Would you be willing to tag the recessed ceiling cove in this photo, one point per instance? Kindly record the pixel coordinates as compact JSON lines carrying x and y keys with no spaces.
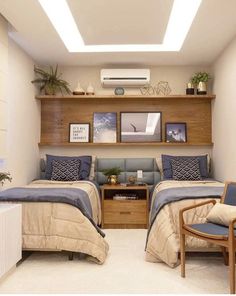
{"x":121,"y":22}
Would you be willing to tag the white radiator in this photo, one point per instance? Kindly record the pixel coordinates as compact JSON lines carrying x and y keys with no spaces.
{"x":10,"y":236}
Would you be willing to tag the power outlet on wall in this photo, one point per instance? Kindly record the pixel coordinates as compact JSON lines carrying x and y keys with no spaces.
{"x":139,"y":174}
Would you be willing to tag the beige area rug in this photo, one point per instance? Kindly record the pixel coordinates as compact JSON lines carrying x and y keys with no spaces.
{"x":125,"y":271}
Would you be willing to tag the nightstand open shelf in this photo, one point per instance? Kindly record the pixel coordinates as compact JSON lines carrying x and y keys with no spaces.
{"x":125,"y":213}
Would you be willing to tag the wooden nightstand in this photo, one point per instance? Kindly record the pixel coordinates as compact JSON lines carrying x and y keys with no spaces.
{"x":125,"y":213}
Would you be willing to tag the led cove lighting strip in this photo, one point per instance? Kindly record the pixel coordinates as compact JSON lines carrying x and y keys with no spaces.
{"x":182,"y":15}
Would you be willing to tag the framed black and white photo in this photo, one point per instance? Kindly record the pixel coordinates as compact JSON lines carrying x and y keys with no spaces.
{"x":105,"y":127}
{"x":136,"y":127}
{"x":176,"y":132}
{"x":79,"y":132}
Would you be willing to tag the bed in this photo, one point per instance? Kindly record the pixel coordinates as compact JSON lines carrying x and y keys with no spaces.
{"x":169,"y":196}
{"x":60,"y":215}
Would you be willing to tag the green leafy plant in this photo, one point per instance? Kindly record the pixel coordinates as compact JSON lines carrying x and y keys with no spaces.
{"x":112,"y":171}
{"x":50,"y":81}
{"x":200,"y":76}
{"x":5,"y":177}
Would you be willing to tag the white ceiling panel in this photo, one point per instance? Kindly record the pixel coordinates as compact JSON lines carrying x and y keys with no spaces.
{"x":121,"y":22}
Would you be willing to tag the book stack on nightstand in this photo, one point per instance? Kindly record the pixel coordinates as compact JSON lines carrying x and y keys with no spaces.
{"x":125,"y":206}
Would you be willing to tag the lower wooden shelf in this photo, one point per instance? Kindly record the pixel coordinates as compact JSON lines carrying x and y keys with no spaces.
{"x":65,"y":144}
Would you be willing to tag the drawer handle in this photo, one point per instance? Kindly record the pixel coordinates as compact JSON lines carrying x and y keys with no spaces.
{"x":125,"y":213}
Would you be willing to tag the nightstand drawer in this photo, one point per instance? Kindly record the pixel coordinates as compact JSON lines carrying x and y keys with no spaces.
{"x":125,"y":212}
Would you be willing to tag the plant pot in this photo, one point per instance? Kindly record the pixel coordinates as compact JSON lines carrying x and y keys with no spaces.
{"x":49,"y":90}
{"x":202,"y":88}
{"x":112,"y":180}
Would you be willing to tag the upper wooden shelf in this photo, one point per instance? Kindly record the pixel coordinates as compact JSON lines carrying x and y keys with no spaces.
{"x":66,"y":144}
{"x":75,"y":97}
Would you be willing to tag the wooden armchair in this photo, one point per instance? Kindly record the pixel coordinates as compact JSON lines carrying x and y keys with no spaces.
{"x":217,"y":234}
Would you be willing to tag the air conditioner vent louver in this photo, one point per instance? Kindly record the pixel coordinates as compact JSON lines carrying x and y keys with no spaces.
{"x":125,"y":77}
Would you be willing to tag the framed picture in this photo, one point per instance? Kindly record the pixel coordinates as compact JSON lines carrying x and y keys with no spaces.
{"x":104,"y":127}
{"x":79,"y":132}
{"x":138,"y":127}
{"x":176,"y":132}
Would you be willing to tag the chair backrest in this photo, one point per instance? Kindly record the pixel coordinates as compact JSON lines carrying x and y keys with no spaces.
{"x":229,"y":195}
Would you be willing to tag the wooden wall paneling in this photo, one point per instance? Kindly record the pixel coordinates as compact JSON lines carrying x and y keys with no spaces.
{"x":56,"y":114}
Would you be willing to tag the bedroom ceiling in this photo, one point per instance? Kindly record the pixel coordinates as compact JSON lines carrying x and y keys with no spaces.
{"x":121,"y":22}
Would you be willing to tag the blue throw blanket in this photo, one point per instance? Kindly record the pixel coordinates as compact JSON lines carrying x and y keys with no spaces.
{"x":176,"y":194}
{"x":73,"y":196}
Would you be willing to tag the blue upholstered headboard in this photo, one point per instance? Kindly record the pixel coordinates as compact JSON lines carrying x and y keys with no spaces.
{"x":129,"y":166}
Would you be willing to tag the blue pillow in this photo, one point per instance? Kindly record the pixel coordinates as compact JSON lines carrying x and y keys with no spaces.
{"x":85,"y":165}
{"x":167,"y":168}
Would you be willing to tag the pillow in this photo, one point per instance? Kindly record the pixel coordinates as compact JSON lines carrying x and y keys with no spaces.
{"x":221,"y":214}
{"x":65,"y":170}
{"x":167,"y":168}
{"x":186,"y":169}
{"x":92,"y":169}
{"x":84,"y":165}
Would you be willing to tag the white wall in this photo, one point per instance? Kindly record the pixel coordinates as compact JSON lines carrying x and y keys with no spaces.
{"x":224,"y":114}
{"x":23,"y":118}
{"x":3,"y":88}
{"x":176,"y":76}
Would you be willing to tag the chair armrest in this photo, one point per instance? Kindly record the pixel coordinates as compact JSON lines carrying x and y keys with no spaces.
{"x":181,"y":212}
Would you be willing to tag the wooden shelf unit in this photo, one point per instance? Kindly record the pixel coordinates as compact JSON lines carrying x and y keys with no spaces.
{"x":58,"y":111}
{"x":123,"y":144}
{"x":95,"y":97}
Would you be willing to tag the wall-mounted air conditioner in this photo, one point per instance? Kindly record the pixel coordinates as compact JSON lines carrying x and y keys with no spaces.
{"x":125,"y":77}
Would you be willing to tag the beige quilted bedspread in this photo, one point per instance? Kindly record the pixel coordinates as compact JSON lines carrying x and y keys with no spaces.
{"x":163,"y":242}
{"x":59,"y":226}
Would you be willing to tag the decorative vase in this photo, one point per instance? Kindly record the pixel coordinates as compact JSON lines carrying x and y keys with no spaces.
{"x":202,"y":88}
{"x":112,"y":180}
{"x":190,"y":89}
{"x":79,"y":90}
{"x":90,"y":90}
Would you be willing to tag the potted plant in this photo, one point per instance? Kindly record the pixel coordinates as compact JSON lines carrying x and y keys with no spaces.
{"x":5,"y":177}
{"x":50,"y":82}
{"x":199,"y":80}
{"x":112,"y":175}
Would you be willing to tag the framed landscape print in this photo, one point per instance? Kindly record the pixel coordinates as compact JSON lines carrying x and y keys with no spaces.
{"x":139,"y":127}
{"x":105,"y":127}
{"x":79,"y":132}
{"x":176,"y":132}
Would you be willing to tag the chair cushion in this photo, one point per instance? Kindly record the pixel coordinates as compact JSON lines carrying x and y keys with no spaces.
{"x":206,"y":229}
{"x":222,"y":214}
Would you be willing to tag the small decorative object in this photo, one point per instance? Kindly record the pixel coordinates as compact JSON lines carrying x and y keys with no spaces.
{"x":200,"y":80}
{"x":79,"y":90}
{"x":140,"y":127}
{"x":50,"y":81}
{"x":132,"y":180}
{"x":90,"y":90}
{"x":112,"y":175}
{"x":104,"y":127}
{"x":119,"y":91}
{"x":163,"y":88}
{"x":190,"y":89}
{"x":176,"y":132}
{"x":79,"y":132}
{"x":5,"y":177}
{"x":147,"y":90}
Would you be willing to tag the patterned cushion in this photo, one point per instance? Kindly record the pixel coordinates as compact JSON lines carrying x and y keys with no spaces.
{"x":65,"y":170}
{"x":204,"y":161}
{"x":85,"y":165}
{"x":186,"y":169}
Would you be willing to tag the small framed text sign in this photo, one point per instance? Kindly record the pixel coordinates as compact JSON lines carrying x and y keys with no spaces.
{"x":79,"y":132}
